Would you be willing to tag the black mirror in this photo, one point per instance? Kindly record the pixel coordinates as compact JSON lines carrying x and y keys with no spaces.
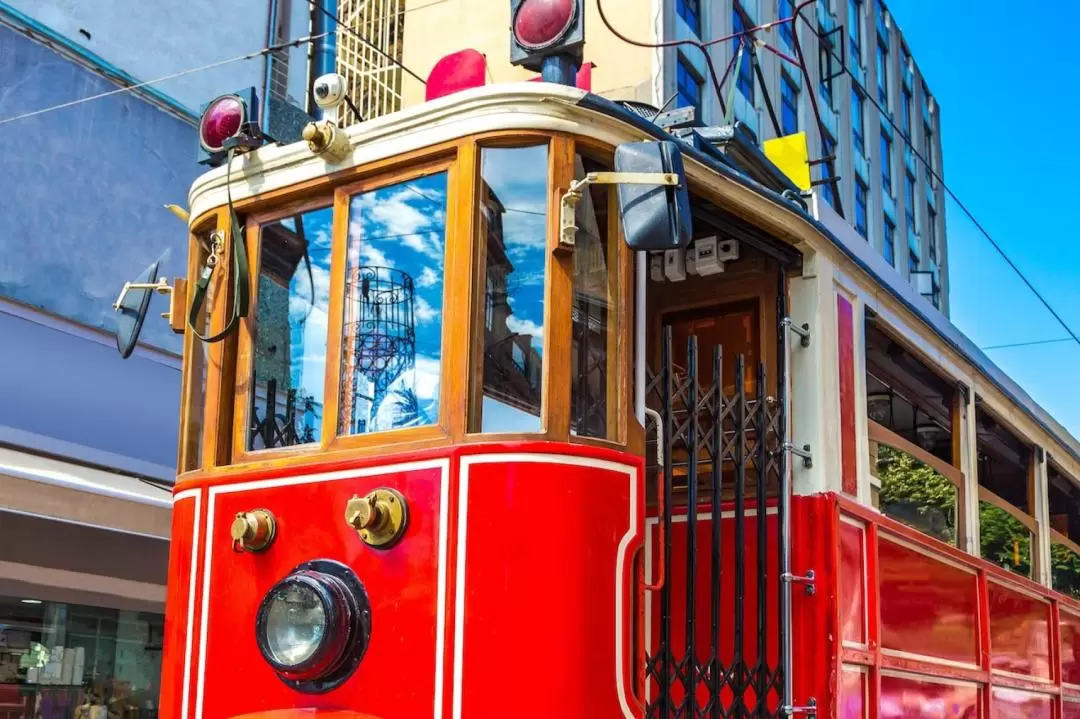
{"x":132,"y":305}
{"x":654,"y":217}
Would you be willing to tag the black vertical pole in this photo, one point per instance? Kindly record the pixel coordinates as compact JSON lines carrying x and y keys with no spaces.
{"x":690,"y":658}
{"x":717,"y":496}
{"x":738,"y":660}
{"x":761,"y":428}
{"x":665,"y":592}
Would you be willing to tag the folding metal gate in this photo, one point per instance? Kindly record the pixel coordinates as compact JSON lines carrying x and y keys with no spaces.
{"x":714,"y":442}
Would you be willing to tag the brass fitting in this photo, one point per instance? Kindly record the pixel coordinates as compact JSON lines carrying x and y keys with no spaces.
{"x":326,"y":139}
{"x":253,"y":531}
{"x":379,"y":518}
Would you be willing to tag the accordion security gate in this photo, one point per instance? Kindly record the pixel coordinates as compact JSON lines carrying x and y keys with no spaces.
{"x":719,"y":620}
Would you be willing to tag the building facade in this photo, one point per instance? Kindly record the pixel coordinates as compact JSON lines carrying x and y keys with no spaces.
{"x":88,"y":442}
{"x":877,"y":110}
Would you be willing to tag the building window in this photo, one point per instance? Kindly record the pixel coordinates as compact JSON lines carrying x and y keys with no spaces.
{"x":786,"y":9}
{"x":789,"y":105}
{"x":828,"y":59}
{"x":690,"y":11}
{"x":912,"y":262}
{"x":931,"y":233}
{"x":857,"y":120}
{"x":828,"y":190}
{"x":928,"y":153}
{"x":688,"y":87}
{"x":888,"y":243}
{"x":883,"y":75}
{"x":860,"y":208}
{"x":745,"y":81}
{"x":855,"y":30}
{"x":905,"y":113}
{"x":886,"y":162}
{"x":909,"y":200}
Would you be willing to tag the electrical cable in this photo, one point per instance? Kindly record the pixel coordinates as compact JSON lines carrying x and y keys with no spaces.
{"x":171,"y":76}
{"x":356,"y":33}
{"x":929,"y":168}
{"x":1026,"y":344}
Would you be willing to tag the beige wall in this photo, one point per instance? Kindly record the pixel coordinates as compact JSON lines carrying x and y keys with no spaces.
{"x":434,"y":29}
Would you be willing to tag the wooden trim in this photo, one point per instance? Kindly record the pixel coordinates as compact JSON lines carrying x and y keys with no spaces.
{"x":220,"y":379}
{"x":883,"y":435}
{"x":1057,"y":537}
{"x":558,"y":298}
{"x":195,"y":362}
{"x":464,"y":268}
{"x":985,"y":495}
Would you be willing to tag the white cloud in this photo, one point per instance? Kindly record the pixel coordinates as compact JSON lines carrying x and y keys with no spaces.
{"x":526,"y":327}
{"x":428,"y":278}
{"x":424,"y":312}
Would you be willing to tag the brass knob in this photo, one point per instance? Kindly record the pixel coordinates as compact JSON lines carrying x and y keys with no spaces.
{"x":316,"y":136}
{"x":253,"y":531}
{"x":379,"y":518}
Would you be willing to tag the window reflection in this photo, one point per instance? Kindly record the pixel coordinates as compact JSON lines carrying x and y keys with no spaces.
{"x":392,"y":319}
{"x":513,"y":226}
{"x":1003,"y":539}
{"x":290,"y":330}
{"x":594,"y":297}
{"x":914,"y":493}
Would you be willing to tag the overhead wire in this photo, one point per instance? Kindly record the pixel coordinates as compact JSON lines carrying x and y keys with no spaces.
{"x":1030,"y":343}
{"x":356,"y":33}
{"x":172,"y":76}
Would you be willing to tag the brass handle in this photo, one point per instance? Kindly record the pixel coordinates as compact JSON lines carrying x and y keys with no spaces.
{"x":253,"y":531}
{"x":379,"y":518}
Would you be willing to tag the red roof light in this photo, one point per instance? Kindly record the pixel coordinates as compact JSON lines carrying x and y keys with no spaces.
{"x":540,"y":23}
{"x":222,"y":120}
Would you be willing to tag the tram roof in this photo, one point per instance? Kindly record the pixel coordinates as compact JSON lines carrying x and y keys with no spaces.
{"x":547,"y":107}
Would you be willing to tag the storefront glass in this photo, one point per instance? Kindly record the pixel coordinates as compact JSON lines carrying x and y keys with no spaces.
{"x":67,"y":661}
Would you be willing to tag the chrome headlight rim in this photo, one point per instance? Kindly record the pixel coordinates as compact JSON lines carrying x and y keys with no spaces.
{"x":346,"y":635}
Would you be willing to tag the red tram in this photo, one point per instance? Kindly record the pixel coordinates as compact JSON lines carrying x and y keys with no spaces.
{"x":517,"y":405}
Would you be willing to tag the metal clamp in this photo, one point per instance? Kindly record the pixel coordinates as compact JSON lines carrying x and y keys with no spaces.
{"x":809,"y":710}
{"x":162,"y":287}
{"x":807,"y":580}
{"x":807,"y":457}
{"x":802,"y":330}
{"x":568,"y":222}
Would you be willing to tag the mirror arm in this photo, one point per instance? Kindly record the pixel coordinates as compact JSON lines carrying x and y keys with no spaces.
{"x":567,"y":209}
{"x":161,"y":287}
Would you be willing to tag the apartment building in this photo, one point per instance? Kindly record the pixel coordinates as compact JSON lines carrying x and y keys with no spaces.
{"x":877,"y":110}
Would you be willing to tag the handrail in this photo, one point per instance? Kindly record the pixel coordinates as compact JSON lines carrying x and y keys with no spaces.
{"x":985,"y":495}
{"x":1057,"y":537}
{"x":886,"y":436}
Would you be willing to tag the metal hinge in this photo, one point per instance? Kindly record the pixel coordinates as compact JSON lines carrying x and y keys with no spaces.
{"x":802,"y":330}
{"x":807,"y":580}
{"x":809,"y":710}
{"x":807,"y":457}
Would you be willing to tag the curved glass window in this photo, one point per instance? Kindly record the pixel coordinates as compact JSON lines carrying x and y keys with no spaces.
{"x":391,"y":354}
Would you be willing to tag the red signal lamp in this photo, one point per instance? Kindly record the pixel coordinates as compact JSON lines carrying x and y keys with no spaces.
{"x":229,"y":122}
{"x":544,"y":28}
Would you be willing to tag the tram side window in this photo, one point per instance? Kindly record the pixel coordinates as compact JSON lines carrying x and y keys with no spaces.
{"x":1064,"y":502}
{"x":391,"y":356}
{"x":285,"y":404}
{"x":909,"y":412}
{"x":595,"y":296}
{"x":513,"y":239}
{"x":1006,"y":523}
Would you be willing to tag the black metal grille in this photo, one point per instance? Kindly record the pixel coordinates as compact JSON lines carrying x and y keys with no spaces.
{"x":724,"y":448}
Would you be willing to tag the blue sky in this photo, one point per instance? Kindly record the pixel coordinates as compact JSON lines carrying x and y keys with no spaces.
{"x":1002,"y":74}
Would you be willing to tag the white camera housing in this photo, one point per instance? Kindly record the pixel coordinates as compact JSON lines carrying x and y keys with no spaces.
{"x":329,"y":91}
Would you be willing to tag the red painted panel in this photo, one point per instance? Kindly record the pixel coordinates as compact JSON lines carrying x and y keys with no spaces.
{"x":677,"y":579}
{"x":397,"y":675}
{"x":1070,"y":710}
{"x":927,"y":607}
{"x":1015,"y":704}
{"x":177,"y":603}
{"x":905,"y":698}
{"x":544,"y":548}
{"x":852,"y":583}
{"x":852,"y":701}
{"x":1019,"y":632}
{"x":1070,"y":647}
{"x":845,"y":340}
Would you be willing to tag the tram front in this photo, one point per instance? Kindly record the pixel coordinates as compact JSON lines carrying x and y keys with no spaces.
{"x":410,"y":469}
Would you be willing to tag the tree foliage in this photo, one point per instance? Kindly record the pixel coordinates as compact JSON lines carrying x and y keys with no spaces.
{"x":915,"y":494}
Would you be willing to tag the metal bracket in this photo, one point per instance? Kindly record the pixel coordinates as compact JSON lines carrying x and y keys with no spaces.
{"x":807,"y":457}
{"x":162,"y":287}
{"x":568,"y":222}
{"x":808,"y":580}
{"x":802,"y":330}
{"x":809,"y":710}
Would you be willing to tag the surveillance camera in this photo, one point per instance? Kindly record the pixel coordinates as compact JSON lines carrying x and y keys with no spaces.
{"x":329,"y":90}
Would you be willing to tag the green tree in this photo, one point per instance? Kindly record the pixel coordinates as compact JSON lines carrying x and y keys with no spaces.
{"x":1004,"y":540}
{"x":1065,"y":568}
{"x":915,"y":494}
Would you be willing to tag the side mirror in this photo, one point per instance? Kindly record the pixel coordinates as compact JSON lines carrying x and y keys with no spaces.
{"x":133,"y":304}
{"x":654,"y":216}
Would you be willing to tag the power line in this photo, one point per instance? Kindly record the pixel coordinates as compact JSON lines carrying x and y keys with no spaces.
{"x":356,"y":33}
{"x":929,"y":168}
{"x":1027,"y":344}
{"x":172,"y":76}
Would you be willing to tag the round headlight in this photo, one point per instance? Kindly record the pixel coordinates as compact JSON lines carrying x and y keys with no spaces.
{"x":313,"y":626}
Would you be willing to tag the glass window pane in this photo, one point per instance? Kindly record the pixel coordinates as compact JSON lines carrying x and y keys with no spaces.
{"x":595,"y":294}
{"x":513,"y":226}
{"x":1003,"y":539}
{"x":289,"y":344}
{"x":1065,"y":568}
{"x":914,"y":493}
{"x":391,"y":351}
